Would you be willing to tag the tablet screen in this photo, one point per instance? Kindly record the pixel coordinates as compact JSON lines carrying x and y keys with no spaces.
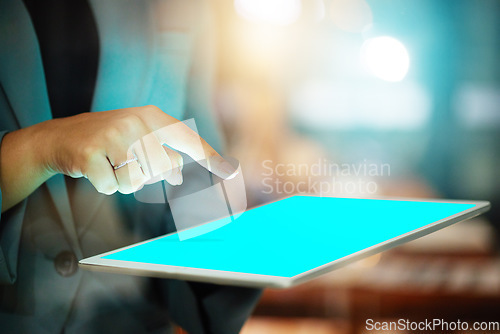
{"x":292,"y":236}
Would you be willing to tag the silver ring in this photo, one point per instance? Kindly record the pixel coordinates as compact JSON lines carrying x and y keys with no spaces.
{"x":125,"y":163}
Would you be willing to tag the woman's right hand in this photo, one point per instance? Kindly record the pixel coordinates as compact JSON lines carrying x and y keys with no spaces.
{"x":91,"y":144}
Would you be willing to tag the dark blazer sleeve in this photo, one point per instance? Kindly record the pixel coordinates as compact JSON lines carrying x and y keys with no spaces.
{"x":202,"y":308}
{"x":10,"y":235}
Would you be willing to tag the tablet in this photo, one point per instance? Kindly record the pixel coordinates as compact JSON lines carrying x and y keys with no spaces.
{"x":286,"y":242}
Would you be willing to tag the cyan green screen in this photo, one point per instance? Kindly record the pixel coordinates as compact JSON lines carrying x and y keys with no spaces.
{"x":294,"y":235}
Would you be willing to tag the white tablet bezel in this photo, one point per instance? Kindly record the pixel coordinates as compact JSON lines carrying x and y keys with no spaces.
{"x":97,"y":263}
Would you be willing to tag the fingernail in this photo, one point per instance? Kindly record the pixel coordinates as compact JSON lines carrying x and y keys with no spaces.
{"x":222,"y":168}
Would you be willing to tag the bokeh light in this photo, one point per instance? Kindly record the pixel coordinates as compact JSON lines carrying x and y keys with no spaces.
{"x":386,"y":58}
{"x":276,"y":12}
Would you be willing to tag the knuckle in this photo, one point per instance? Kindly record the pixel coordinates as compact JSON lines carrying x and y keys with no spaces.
{"x":153,"y":109}
{"x":124,"y":130}
{"x":135,"y":187}
{"x":88,"y":152}
{"x":137,"y":179}
{"x":129,"y":122}
{"x":126,"y":190}
{"x":131,"y":185}
{"x":108,"y":189}
{"x":112,"y":133}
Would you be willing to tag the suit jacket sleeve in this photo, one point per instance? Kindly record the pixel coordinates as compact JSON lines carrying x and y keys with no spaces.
{"x":10,"y":235}
{"x":202,"y":308}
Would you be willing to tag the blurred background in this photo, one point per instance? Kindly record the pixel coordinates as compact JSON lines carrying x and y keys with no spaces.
{"x":366,"y":98}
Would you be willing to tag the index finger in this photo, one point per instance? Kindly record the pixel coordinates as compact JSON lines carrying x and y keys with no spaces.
{"x":181,"y":137}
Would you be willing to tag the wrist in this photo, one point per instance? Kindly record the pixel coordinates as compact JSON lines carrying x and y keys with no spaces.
{"x":23,"y":164}
{"x":41,"y":146}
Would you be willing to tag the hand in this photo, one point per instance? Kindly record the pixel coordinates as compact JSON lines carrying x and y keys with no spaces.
{"x":90,"y":144}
